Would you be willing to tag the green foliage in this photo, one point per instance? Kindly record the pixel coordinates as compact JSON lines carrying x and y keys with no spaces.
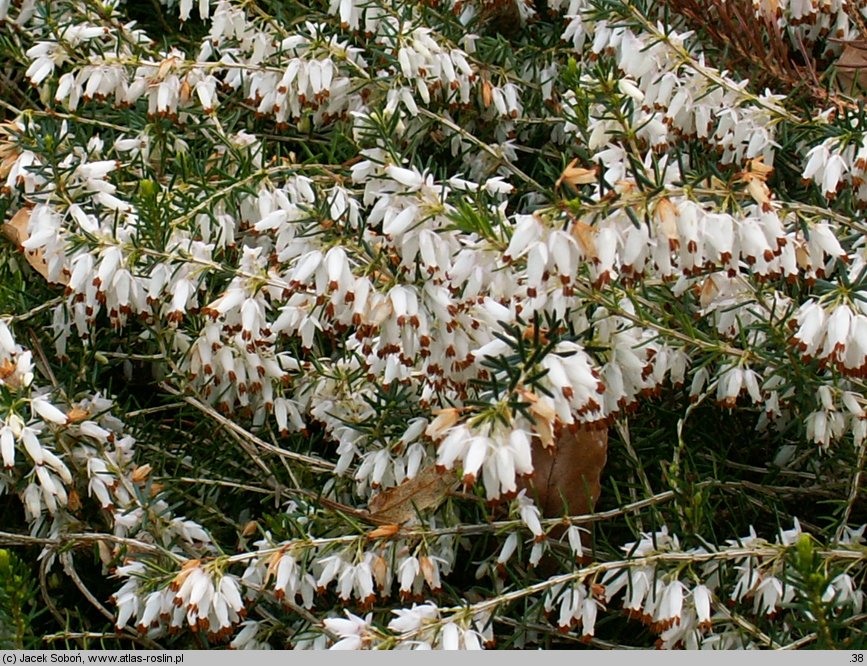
{"x":18,"y":608}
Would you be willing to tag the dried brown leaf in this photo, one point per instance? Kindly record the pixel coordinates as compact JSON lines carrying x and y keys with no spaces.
{"x":383,"y":532}
{"x":545,"y":430}
{"x":586,"y":237}
{"x":756,"y":168}
{"x":501,"y":16}
{"x":9,"y":150}
{"x":7,"y":368}
{"x":852,"y":67}
{"x":77,"y":414}
{"x":566,"y":479}
{"x":185,"y":92}
{"x":760,"y":193}
{"x":531,"y":333}
{"x":16,"y":231}
{"x":575,"y":175}
{"x":166,"y":66}
{"x":709,"y":291}
{"x":379,"y":568}
{"x":398,"y":504}
{"x":487,"y":94}
{"x":186,"y":569}
{"x":666,"y":218}
{"x":141,"y":473}
{"x":105,"y":554}
{"x":445,"y":419}
{"x":73,"y":501}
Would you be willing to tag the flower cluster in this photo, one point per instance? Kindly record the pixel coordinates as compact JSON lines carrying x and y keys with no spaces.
{"x":197,"y":596}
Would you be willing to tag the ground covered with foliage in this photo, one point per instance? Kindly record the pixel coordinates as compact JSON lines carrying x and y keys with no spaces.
{"x":375,"y":324}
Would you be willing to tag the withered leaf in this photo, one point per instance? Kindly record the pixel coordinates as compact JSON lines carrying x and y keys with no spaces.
{"x":586,"y":237}
{"x":501,"y":16}
{"x":566,"y":478}
{"x":105,"y":554}
{"x":141,"y":473}
{"x":666,"y":216}
{"x":709,"y":291}
{"x":487,"y":93}
{"x":77,"y":415}
{"x":166,"y":66}
{"x":760,"y":193}
{"x":575,"y":175}
{"x":851,"y":67}
{"x":383,"y":532}
{"x":426,"y":490}
{"x":532,"y":332}
{"x":16,"y":231}
{"x":7,"y":368}
{"x":73,"y":502}
{"x":545,"y":430}
{"x":756,"y":168}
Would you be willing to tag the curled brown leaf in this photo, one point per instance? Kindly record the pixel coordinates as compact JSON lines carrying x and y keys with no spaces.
{"x":426,"y":490}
